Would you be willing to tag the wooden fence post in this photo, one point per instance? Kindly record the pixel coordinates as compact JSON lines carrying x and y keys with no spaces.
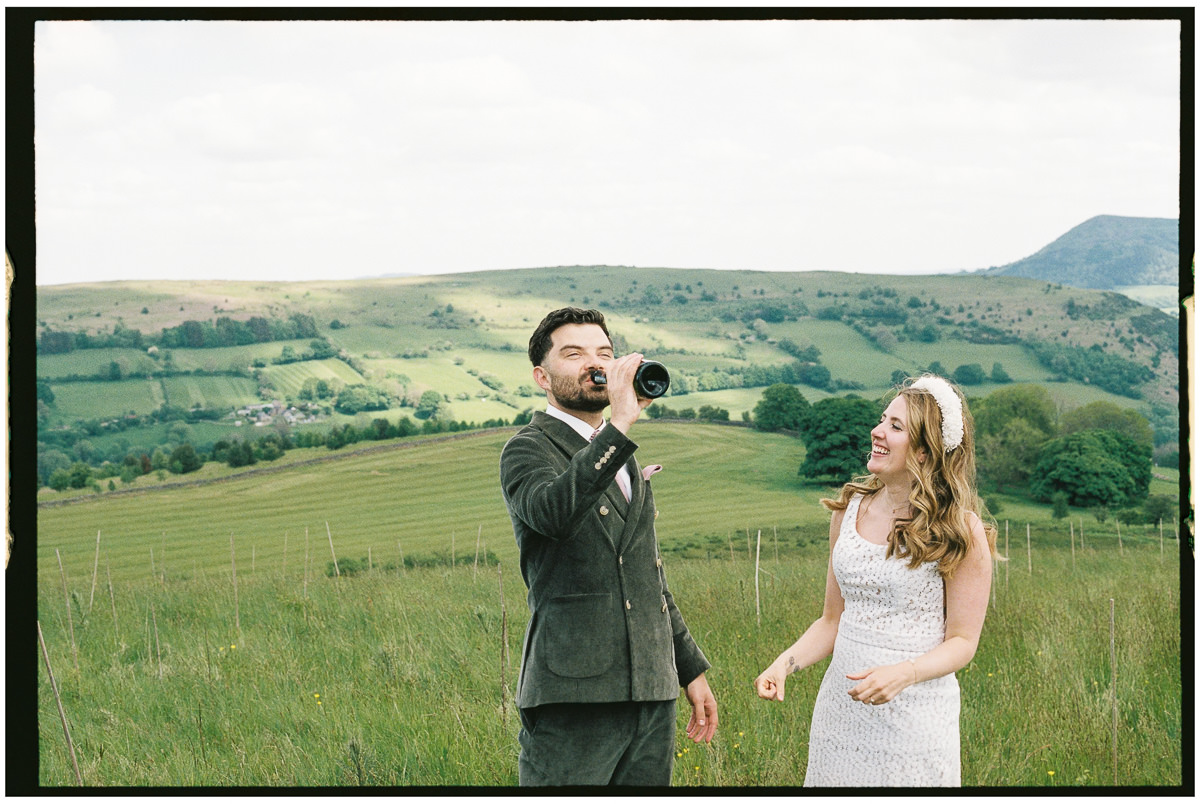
{"x":62,"y":715}
{"x":1029,"y":548}
{"x":237,"y":621}
{"x":67,"y":601}
{"x":95,"y":571}
{"x":337,"y":572}
{"x":757,"y":556}
{"x":1112,"y":654}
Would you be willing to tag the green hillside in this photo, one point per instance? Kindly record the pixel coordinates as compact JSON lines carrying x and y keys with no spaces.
{"x":420,"y":497}
{"x":465,"y":335}
{"x":1107,"y":252}
{"x":200,"y":636}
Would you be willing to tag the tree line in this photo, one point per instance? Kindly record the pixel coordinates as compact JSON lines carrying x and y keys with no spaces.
{"x":1097,"y":456}
{"x":223,"y":331}
{"x":179,"y":456}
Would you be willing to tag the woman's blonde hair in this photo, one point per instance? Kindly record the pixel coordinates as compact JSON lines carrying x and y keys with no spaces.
{"x":943,"y":491}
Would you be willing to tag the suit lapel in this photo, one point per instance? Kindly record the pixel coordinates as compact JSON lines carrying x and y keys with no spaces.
{"x":559,"y":433}
{"x":570,"y":442}
{"x":633,"y":507}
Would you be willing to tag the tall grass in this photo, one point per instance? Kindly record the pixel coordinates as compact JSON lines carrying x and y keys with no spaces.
{"x":389,"y":678}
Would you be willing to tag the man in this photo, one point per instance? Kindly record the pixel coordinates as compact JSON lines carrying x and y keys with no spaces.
{"x":606,"y":650}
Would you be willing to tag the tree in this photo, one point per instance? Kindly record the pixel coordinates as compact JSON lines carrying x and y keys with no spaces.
{"x":59,"y":479}
{"x":355,"y":398}
{"x":240,"y":453}
{"x":712,"y":414}
{"x":1160,"y":508}
{"x":51,"y":461}
{"x":184,"y":456}
{"x":837,"y":437}
{"x":1103,"y":415}
{"x":970,"y":374}
{"x":1029,"y":402}
{"x":429,"y":404}
{"x":1059,"y":500}
{"x":1007,"y":458}
{"x":782,"y":407}
{"x":999,"y":375}
{"x":80,"y":474}
{"x":814,"y":374}
{"x":1093,"y":467}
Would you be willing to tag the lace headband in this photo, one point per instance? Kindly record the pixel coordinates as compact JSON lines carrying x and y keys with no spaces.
{"x":949,"y":404}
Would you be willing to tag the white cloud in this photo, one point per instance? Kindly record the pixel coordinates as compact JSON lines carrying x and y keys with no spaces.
{"x":240,"y":148}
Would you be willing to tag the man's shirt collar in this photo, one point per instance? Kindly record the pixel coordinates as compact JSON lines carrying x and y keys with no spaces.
{"x":577,"y":424}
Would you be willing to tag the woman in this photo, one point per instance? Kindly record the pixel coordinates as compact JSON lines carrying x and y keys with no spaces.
{"x":905,"y":597}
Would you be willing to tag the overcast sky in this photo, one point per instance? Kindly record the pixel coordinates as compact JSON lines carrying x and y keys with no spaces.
{"x":312,"y":150}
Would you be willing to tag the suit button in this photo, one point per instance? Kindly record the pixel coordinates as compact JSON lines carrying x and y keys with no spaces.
{"x":628,"y":605}
{"x":597,"y":467}
{"x":604,"y":510}
{"x":664,"y":606}
{"x":621,"y":560}
{"x":658,"y":562}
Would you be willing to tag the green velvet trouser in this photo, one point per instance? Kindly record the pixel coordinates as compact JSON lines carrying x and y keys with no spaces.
{"x":594,"y":744}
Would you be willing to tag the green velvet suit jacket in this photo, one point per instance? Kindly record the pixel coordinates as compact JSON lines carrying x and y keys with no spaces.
{"x":603,"y":626}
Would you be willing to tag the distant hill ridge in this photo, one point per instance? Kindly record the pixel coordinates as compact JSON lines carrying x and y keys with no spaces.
{"x":1104,"y":253}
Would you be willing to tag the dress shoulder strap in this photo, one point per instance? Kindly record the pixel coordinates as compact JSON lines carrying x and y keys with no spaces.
{"x":850,"y":515}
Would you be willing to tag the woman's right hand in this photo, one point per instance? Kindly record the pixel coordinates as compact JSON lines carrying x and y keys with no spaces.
{"x":769,"y":685}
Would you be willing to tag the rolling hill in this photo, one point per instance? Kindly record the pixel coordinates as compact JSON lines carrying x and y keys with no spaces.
{"x":1106,"y":252}
{"x":465,"y":335}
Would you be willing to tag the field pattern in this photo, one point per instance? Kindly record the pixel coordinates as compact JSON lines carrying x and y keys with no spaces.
{"x":200,"y":636}
{"x":82,"y":400}
{"x":88,"y":362}
{"x":702,"y":320}
{"x":233,"y":358}
{"x":288,"y":378}
{"x":219,"y":393}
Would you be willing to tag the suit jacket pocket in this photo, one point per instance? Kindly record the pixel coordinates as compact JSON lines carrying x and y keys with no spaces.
{"x":580,"y":638}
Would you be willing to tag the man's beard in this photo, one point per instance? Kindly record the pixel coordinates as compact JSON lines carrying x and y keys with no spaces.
{"x":572,"y":394}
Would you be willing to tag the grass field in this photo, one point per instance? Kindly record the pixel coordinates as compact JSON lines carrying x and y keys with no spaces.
{"x":289,"y":377}
{"x":84,"y":400}
{"x":397,"y":678}
{"x":233,"y":358}
{"x":486,"y":318}
{"x":178,"y":677}
{"x":214,"y":393}
{"x":88,"y":362}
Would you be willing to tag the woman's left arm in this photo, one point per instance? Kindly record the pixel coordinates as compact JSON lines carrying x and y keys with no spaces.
{"x":967,"y":594}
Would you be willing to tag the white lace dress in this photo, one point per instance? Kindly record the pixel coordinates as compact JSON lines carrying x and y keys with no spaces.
{"x":892,"y":614}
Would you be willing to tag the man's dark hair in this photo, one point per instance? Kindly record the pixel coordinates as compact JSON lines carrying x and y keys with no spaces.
{"x":539,"y":342}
